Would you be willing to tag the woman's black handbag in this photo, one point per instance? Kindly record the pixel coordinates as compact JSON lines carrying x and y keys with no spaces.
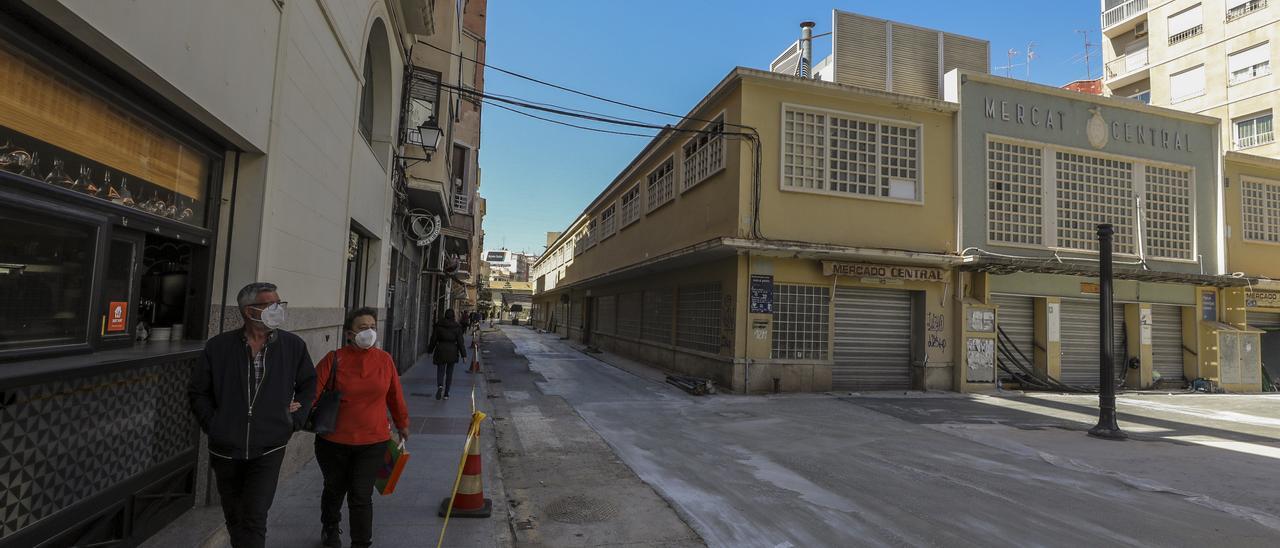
{"x":324,"y":414}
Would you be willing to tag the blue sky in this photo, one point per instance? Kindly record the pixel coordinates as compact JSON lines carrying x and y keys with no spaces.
{"x":665,"y":55}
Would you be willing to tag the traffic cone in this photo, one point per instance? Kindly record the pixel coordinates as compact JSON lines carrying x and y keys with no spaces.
{"x":469,"y":501}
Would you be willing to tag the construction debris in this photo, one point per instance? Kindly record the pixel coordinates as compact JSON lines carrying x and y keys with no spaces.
{"x":693,"y":385}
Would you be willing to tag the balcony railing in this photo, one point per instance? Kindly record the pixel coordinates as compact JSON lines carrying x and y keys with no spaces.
{"x":1189,"y":33}
{"x":1129,"y":63}
{"x":1250,"y":74}
{"x":1255,"y":140}
{"x":1245,"y":9}
{"x":1123,"y":12}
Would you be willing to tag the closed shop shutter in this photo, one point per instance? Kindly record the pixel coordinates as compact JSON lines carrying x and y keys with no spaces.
{"x":1078,"y":326}
{"x":1017,"y":321}
{"x":1166,"y":342}
{"x":575,"y":315}
{"x":1266,"y":321}
{"x":872,"y":340}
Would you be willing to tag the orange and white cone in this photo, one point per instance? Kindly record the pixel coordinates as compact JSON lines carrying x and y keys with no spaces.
{"x":469,"y":501}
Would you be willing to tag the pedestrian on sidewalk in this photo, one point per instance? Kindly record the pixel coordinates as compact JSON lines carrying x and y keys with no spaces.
{"x":250,"y":391}
{"x":447,"y":347}
{"x":350,"y":456}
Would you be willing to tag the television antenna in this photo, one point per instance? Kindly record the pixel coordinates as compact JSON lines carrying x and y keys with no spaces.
{"x":1008,"y":69}
{"x":1090,"y":49}
{"x":1031,"y":56}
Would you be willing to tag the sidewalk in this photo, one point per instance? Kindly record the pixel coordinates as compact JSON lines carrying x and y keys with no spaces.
{"x":406,"y":518}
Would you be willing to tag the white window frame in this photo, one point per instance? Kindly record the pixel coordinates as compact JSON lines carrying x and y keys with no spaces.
{"x":1256,"y":70}
{"x":879,"y":166}
{"x":1268,"y":212}
{"x":717,"y":162}
{"x":609,"y":221}
{"x":1252,"y":119}
{"x":1203,"y":84}
{"x":630,"y":210}
{"x":592,"y":232}
{"x":668,"y":186}
{"x":1049,"y":204}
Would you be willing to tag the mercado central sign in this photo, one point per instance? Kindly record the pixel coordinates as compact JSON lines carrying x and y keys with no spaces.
{"x":1097,"y":128}
{"x":883,"y":271}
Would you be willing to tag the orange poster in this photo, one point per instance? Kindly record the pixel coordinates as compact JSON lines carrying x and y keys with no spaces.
{"x":117,"y":316}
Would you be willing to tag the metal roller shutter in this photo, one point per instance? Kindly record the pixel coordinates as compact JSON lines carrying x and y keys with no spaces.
{"x":872,"y":340}
{"x":1266,"y":321}
{"x":1166,"y":342}
{"x":1078,"y":325}
{"x":1017,"y":321}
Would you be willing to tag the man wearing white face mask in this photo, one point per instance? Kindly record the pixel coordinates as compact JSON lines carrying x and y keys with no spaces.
{"x":251,"y":390}
{"x":350,"y":456}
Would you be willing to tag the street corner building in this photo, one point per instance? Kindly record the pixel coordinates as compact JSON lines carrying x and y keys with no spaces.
{"x":157,"y":156}
{"x":894,"y":218}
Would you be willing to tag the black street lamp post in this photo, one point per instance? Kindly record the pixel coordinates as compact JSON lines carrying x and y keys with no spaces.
{"x":1107,"y":427}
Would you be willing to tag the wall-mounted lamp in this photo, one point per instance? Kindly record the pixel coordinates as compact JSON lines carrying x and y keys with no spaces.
{"x":427,"y":137}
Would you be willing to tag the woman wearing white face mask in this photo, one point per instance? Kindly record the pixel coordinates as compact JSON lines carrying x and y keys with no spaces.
{"x":350,"y":456}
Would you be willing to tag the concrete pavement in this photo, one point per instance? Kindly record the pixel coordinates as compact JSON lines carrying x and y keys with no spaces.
{"x":818,"y":470}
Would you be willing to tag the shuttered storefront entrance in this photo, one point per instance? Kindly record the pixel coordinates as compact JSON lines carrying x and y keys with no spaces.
{"x":1078,"y":326}
{"x":1166,"y":342}
{"x":1269,"y":322}
{"x":1016,"y":316}
{"x":872,"y":340}
{"x":1266,"y":321}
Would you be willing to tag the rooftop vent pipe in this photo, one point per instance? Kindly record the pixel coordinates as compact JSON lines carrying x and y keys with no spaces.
{"x":806,"y":49}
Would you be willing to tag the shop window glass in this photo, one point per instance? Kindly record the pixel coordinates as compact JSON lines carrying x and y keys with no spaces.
{"x":46,"y":270}
{"x":118,"y":302}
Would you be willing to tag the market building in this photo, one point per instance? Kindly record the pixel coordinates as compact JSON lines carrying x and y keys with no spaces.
{"x":151,"y":169}
{"x":1251,"y":200}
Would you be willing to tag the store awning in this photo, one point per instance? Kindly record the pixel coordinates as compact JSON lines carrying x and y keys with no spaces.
{"x":1049,"y":265}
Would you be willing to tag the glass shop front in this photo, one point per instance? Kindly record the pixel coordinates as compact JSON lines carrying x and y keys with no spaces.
{"x":106,"y":242}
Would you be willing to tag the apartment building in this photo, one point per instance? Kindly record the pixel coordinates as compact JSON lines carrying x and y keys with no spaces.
{"x":1210,"y":57}
{"x":157,"y":156}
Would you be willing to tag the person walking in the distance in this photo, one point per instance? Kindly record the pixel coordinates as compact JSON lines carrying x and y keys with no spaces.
{"x":350,"y":456}
{"x":447,"y":347}
{"x":251,"y":389}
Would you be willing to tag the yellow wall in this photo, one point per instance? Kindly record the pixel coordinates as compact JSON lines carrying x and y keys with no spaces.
{"x":847,"y":220}
{"x":1251,"y":257}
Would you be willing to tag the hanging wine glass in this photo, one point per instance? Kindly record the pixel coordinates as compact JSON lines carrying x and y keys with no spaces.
{"x":85,"y":183}
{"x":16,"y":160}
{"x":33,"y":163}
{"x":160,"y":207}
{"x":4,"y":155}
{"x":172,"y":211}
{"x":148,"y":206}
{"x":59,"y":177}
{"x":186,"y":212}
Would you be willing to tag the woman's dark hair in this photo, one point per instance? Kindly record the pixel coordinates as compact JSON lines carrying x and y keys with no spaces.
{"x":448,"y":314}
{"x":362,"y":311}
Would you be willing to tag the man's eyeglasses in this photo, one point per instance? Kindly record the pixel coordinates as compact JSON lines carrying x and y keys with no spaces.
{"x":283,"y":304}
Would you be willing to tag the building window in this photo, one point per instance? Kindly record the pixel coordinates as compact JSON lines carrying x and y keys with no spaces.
{"x":656,"y":316}
{"x":1186,"y":24}
{"x":630,"y":206}
{"x":1015,"y":194}
{"x":1168,"y":221}
{"x":801,"y":322}
{"x":1261,"y":202}
{"x":606,"y":318}
{"x":609,"y":221}
{"x":592,"y":233}
{"x":422,"y":108}
{"x":1187,"y":84}
{"x":704,"y":154}
{"x":1254,"y":131}
{"x":1144,"y":96}
{"x":46,"y":275}
{"x":698,"y":317}
{"x":850,"y":155}
{"x":366,"y":98}
{"x":1093,"y":190}
{"x":661,"y":184}
{"x":460,"y":172}
{"x":1251,"y":63}
{"x":1240,"y":8}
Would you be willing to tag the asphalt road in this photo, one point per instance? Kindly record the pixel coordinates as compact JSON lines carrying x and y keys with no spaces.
{"x":819,"y":470}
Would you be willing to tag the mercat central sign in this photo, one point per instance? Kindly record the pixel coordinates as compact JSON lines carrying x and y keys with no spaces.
{"x":1100,"y":130}
{"x":883,"y":271}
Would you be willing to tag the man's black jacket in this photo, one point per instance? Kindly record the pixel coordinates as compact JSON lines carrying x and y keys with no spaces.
{"x":222,"y":388}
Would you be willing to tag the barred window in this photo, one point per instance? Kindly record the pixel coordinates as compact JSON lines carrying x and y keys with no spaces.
{"x":698,"y":317}
{"x":850,"y":155}
{"x":609,"y":221}
{"x":1015,"y":185}
{"x":804,"y":150}
{"x":657,"y":315}
{"x":630,"y":207}
{"x":606,"y":315}
{"x":704,"y":154}
{"x":1093,"y":190}
{"x":1168,"y":213}
{"x":661,"y":184}
{"x":1261,"y":201}
{"x":629,"y":314}
{"x":801,"y":322}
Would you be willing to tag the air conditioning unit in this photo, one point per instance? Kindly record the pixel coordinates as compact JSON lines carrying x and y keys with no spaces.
{"x":1140,"y":29}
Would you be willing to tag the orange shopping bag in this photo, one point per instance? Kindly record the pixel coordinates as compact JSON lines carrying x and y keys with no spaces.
{"x":393,"y":461}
